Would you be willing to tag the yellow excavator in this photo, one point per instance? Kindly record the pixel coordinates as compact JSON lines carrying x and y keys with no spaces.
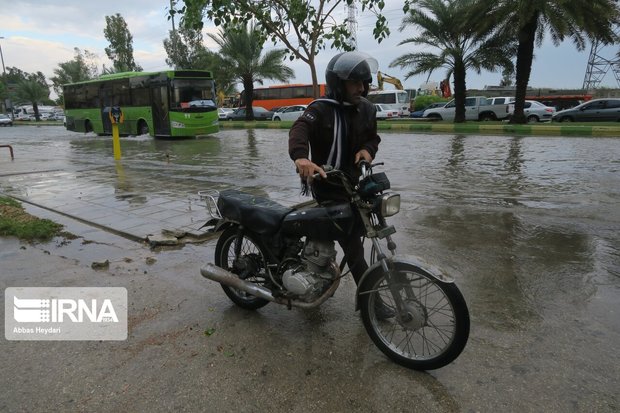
{"x":384,"y":77}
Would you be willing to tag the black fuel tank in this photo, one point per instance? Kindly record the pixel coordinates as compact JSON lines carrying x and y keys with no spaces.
{"x":323,"y":222}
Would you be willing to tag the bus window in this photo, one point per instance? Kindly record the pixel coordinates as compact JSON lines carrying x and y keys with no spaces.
{"x":192,"y":93}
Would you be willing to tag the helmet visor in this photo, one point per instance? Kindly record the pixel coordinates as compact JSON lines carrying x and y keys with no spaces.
{"x":348,"y":62}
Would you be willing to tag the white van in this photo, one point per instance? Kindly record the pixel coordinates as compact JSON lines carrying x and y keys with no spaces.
{"x":391,"y":99}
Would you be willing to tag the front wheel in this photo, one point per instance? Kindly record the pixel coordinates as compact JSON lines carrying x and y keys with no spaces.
{"x":244,"y":257}
{"x":431,"y":329}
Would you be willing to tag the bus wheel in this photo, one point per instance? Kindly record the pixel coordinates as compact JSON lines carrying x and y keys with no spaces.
{"x":143,"y":128}
{"x":88,"y":127}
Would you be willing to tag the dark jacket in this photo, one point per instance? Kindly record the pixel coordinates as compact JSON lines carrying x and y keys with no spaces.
{"x":312,"y":134}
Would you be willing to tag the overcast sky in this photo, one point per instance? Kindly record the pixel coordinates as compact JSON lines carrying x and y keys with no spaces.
{"x":40,"y":34}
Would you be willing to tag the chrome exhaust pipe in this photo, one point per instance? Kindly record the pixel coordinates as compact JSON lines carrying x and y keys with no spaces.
{"x":222,"y":276}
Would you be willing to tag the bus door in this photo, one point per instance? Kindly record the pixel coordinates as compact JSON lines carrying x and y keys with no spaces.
{"x":161,"y":110}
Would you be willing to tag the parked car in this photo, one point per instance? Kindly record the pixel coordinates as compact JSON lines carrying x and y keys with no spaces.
{"x":535,"y":111}
{"x":476,"y":108}
{"x":260,"y":113}
{"x":593,"y":110}
{"x":385,"y":112}
{"x":289,"y":112}
{"x":5,"y":120}
{"x":419,"y":113}
{"x":501,"y":100}
{"x":223,"y":112}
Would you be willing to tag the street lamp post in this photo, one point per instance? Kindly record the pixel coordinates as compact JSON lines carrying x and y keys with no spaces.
{"x":2,"y":57}
{"x":6,"y":83}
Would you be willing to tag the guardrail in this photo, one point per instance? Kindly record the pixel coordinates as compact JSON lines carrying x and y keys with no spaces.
{"x":10,"y":150}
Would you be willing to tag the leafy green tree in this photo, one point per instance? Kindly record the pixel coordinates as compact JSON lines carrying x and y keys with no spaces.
{"x":507,"y":77}
{"x":120,"y":51}
{"x":423,"y":101}
{"x":304,"y":26}
{"x":529,"y":21}
{"x":33,"y":92}
{"x":15,"y":76}
{"x":81,"y":68}
{"x":241,"y":49}
{"x":186,"y":50}
{"x":451,"y":31}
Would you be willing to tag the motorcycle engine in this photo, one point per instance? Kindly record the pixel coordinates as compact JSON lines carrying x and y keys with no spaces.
{"x":315,"y":272}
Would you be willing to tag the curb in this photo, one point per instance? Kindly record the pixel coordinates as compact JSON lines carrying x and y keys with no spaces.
{"x":465,"y":128}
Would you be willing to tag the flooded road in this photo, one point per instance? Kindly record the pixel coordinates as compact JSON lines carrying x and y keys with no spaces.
{"x":529,"y":226}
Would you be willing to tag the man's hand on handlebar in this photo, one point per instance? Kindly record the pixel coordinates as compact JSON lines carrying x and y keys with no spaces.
{"x":306,"y":168}
{"x":363,"y":155}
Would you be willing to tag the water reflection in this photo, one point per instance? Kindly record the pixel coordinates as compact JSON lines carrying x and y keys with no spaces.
{"x":513,"y":173}
{"x":457,"y":155}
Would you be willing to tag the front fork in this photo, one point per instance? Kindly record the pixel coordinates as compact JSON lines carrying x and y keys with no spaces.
{"x":388,"y":270}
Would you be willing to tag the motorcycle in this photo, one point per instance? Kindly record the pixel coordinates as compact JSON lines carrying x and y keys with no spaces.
{"x":271,"y":253}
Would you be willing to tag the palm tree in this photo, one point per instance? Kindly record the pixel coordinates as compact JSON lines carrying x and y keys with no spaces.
{"x":33,"y":92}
{"x":528,"y":21}
{"x":241,"y":48}
{"x":448,"y":27}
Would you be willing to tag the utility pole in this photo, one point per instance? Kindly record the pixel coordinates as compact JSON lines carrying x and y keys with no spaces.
{"x":352,"y":21}
{"x":599,"y":65}
{"x":7,"y":102}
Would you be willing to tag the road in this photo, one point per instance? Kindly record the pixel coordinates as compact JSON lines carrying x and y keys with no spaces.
{"x":529,"y":227}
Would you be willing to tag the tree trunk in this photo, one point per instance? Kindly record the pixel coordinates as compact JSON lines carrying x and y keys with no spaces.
{"x":316,"y":90}
{"x":459,"y":92}
{"x":525,"y":56}
{"x":248,"y":86}
{"x":35,"y":108}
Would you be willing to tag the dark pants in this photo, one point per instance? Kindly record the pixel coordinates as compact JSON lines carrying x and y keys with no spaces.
{"x":351,"y":244}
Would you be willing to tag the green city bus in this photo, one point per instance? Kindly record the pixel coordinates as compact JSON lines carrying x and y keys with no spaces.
{"x":174,"y":103}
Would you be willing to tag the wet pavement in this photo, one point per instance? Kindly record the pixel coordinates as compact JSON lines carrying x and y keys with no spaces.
{"x":529,"y":226}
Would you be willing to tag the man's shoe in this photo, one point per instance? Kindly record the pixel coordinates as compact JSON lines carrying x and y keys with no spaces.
{"x":382,"y":311}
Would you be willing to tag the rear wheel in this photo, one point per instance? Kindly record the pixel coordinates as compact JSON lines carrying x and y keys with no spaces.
{"x":244,"y":257}
{"x":143,"y":128}
{"x":532,"y":119}
{"x":431,"y":329}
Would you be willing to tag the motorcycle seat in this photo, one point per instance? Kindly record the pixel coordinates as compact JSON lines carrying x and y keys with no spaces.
{"x":260,"y":214}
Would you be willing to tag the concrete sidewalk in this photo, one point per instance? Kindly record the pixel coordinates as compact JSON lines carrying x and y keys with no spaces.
{"x":150,"y":192}
{"x":96,"y":199}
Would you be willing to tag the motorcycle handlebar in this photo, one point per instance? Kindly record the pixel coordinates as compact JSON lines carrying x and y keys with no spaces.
{"x":364,"y":166}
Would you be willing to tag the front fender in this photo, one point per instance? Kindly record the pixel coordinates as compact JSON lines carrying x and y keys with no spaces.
{"x":419,"y":264}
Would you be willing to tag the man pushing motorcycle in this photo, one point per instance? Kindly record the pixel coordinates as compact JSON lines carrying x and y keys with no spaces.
{"x":339,"y":130}
{"x":268,"y":252}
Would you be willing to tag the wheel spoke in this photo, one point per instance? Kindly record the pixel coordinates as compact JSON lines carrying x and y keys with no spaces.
{"x":423,"y":298}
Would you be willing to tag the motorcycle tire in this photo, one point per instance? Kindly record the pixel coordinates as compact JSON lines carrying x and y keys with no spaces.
{"x":253,"y":254}
{"x":432,"y":330}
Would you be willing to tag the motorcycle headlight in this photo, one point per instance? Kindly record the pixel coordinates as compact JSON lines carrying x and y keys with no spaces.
{"x":390,"y":204}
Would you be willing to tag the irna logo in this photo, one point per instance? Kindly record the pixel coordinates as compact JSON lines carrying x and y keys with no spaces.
{"x":65,"y":313}
{"x":60,"y":310}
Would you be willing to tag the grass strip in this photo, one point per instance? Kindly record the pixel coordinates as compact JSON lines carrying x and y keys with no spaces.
{"x":16,"y":222}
